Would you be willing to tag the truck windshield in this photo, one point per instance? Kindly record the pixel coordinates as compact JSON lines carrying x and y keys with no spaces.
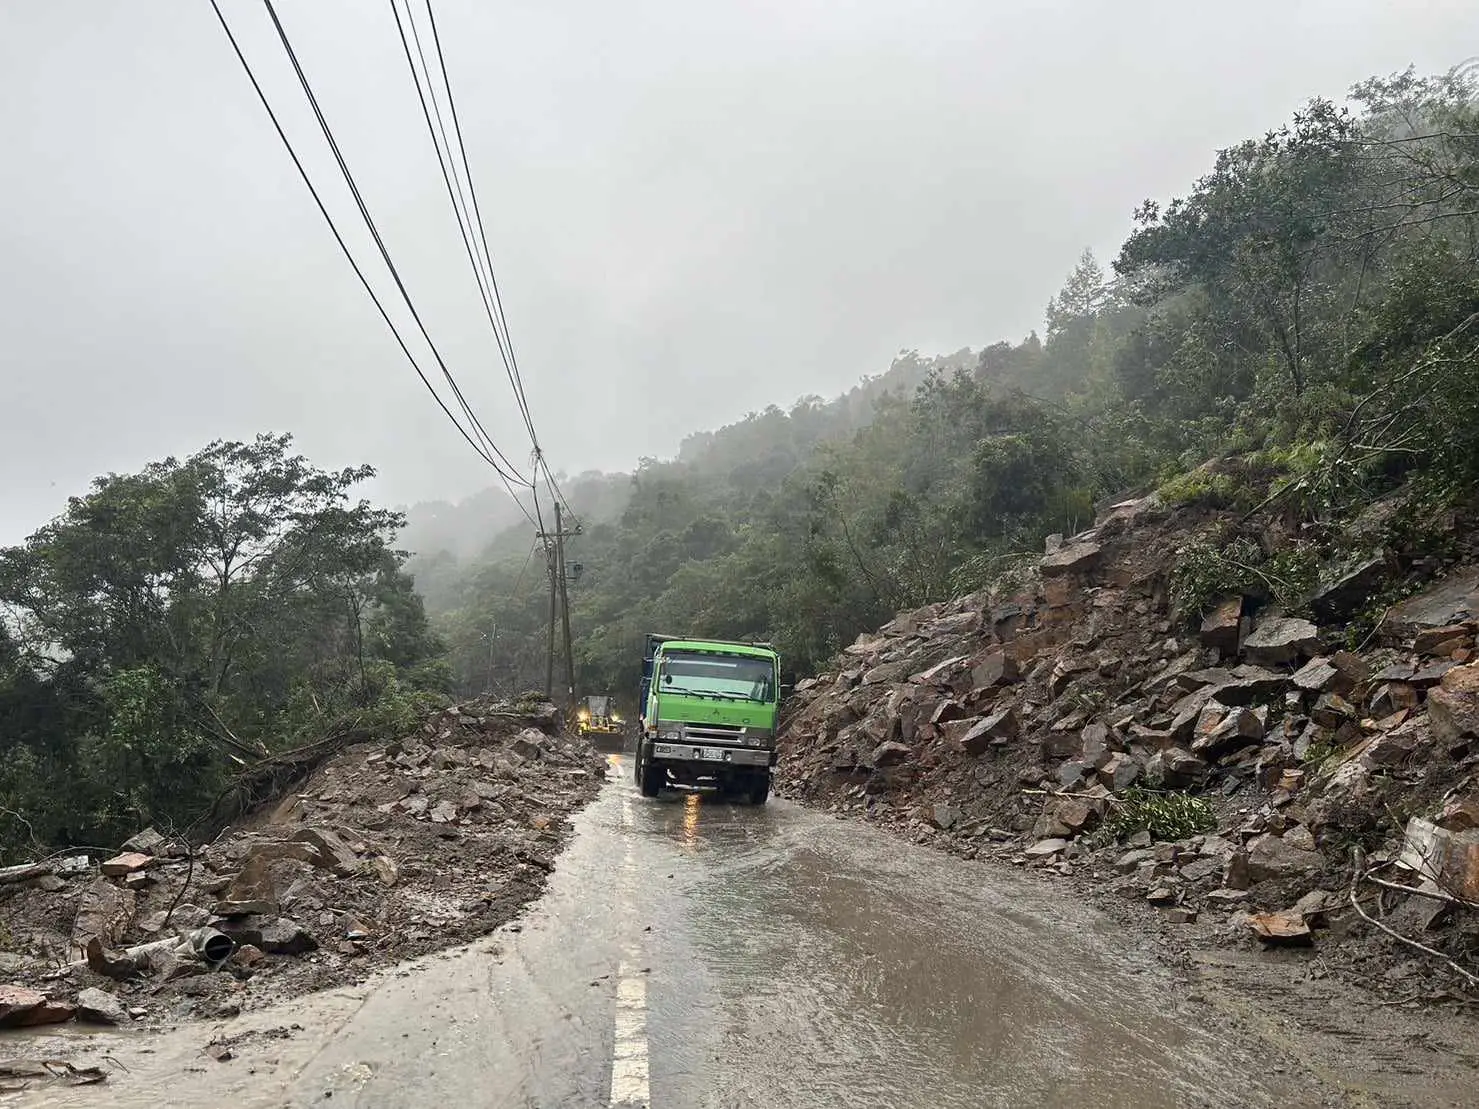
{"x":732,"y":677}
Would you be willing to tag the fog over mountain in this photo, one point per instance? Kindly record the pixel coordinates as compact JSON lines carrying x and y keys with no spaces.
{"x":695,"y":210}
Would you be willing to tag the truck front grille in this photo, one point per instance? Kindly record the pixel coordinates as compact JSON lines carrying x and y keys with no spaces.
{"x":713,"y":733}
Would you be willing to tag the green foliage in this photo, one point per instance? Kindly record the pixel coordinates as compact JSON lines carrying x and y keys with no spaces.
{"x":1207,"y":570}
{"x":1204,"y":488}
{"x":1166,"y":816}
{"x":177,"y":620}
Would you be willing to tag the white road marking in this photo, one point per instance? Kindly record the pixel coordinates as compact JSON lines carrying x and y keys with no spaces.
{"x":629,"y":1085}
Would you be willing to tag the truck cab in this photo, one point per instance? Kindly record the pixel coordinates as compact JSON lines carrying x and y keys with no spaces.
{"x":708,"y":717}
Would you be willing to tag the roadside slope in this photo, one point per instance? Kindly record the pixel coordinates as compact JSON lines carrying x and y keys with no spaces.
{"x":1223,"y":774}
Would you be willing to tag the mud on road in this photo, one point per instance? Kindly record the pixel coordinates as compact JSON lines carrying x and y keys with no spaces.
{"x":689,"y":953}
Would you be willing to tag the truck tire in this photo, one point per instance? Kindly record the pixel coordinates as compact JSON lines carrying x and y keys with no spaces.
{"x":760,"y":787}
{"x":651,"y":779}
{"x":637,"y":763}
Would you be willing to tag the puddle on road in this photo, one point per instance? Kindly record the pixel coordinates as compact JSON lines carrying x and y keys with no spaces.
{"x":870,"y":972}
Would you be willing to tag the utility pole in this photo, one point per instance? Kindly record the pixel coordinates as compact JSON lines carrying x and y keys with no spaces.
{"x":559,"y":599}
{"x":549,"y":668}
{"x":565,"y":609}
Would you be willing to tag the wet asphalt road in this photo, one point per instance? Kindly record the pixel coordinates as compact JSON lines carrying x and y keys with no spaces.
{"x":694,"y":953}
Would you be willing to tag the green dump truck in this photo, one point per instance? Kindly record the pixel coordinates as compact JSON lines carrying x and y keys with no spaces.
{"x":708,"y":716}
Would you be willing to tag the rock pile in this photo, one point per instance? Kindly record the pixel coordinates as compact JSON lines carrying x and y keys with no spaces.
{"x":385,"y":852}
{"x":1060,"y":727}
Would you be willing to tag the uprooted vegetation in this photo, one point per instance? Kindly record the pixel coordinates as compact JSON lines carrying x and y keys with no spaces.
{"x":378,"y":852}
{"x":1236,"y":765}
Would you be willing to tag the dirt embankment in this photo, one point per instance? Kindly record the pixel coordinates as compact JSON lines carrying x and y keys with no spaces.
{"x":1226,"y":779}
{"x":384,"y":852}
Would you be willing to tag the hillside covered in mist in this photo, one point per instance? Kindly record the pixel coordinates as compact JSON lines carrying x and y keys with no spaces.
{"x":1306,"y":311}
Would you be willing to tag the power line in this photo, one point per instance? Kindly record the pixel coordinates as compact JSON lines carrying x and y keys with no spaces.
{"x":478,"y":217}
{"x":469,"y":215}
{"x":349,"y":256}
{"x":453,"y":181}
{"x":512,"y":471}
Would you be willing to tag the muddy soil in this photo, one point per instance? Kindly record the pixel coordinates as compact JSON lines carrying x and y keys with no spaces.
{"x":384,"y":853}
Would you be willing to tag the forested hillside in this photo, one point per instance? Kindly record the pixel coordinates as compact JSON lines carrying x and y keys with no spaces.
{"x":1306,"y":313}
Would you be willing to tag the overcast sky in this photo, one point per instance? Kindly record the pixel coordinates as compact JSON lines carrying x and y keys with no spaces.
{"x":695,"y":209}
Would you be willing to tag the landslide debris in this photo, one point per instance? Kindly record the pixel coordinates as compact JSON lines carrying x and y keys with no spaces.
{"x":384,"y":852}
{"x":1241,"y":775}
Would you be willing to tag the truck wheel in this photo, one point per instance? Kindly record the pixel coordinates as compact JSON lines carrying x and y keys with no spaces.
{"x":760,"y":787}
{"x":651,"y":780}
{"x":637,"y":762}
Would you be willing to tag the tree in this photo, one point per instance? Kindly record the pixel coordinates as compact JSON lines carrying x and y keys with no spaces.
{"x":190,"y":610}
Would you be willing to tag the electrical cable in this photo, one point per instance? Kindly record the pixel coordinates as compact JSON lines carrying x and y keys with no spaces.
{"x":511,"y":473}
{"x":453,"y":182}
{"x":349,"y":256}
{"x":478,"y":218}
{"x":469,"y":216}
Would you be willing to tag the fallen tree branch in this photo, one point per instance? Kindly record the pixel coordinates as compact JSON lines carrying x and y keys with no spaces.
{"x":1360,"y":873}
{"x":23,"y":872}
{"x":1111,"y":798}
{"x":1436,"y":895}
{"x":189,"y":874}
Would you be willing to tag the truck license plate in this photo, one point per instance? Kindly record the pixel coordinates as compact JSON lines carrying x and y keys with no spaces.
{"x":712,"y":754}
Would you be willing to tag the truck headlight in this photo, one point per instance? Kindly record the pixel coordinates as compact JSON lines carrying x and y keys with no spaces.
{"x":669,"y":733}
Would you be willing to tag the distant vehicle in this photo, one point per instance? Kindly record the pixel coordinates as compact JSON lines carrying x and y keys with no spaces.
{"x":598,"y":717}
{"x":708,"y":712}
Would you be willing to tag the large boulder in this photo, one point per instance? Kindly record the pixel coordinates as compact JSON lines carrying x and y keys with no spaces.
{"x":1453,"y":705}
{"x":1270,"y":857}
{"x":1339,"y":598}
{"x":1222,"y":628}
{"x":1453,"y":600}
{"x":1280,"y":640}
{"x":16,"y":1003}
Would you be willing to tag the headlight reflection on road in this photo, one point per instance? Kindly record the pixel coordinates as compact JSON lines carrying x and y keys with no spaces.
{"x":690,"y":819}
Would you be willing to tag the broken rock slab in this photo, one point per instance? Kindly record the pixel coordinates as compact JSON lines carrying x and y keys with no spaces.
{"x":1222,"y":628}
{"x":96,"y":1006}
{"x":147,"y":842}
{"x":1320,"y":675}
{"x":1451,"y":859}
{"x":1270,"y":857}
{"x":1287,"y":928}
{"x":1453,"y":705}
{"x":1443,"y":641}
{"x":991,"y":730}
{"x":130,"y":862}
{"x":1453,"y":600}
{"x":890,"y":753}
{"x":1075,"y":558}
{"x":944,"y":817}
{"x":1046,"y":848}
{"x":1280,"y":640}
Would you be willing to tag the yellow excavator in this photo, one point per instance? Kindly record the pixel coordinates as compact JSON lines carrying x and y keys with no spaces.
{"x":598,"y":717}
